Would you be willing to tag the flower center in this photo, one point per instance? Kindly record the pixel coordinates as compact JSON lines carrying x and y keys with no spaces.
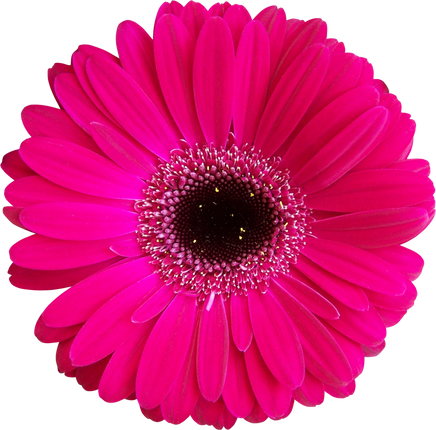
{"x":221,"y":220}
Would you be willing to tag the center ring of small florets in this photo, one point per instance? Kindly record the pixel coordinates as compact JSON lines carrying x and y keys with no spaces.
{"x":221,"y":220}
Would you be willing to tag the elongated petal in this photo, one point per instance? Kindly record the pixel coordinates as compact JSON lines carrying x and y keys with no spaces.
{"x":213,"y":350}
{"x":406,"y":261}
{"x":78,"y":221}
{"x":214,"y":80}
{"x":77,"y":104}
{"x":274,"y":20}
{"x":47,"y":334}
{"x":174,"y":54}
{"x":131,"y":107}
{"x":207,"y":413}
{"x":257,"y":415}
{"x":13,"y":215}
{"x":29,"y":279}
{"x":380,"y":189}
{"x":80,"y":302}
{"x":346,"y":292}
{"x":43,"y":253}
{"x":242,"y":332}
{"x":252,"y":74}
{"x":344,"y":151}
{"x":237,"y":17}
{"x":322,"y":355}
{"x":14,"y":166}
{"x":311,"y":393}
{"x":165,"y":352}
{"x":183,"y":396}
{"x":154,"y":305}
{"x":135,"y":48}
{"x":352,"y":350}
{"x":193,"y":16}
{"x":373,"y":229}
{"x":364,"y":327}
{"x":119,"y":377}
{"x":79,"y":169}
{"x":89,"y":376}
{"x":291,"y":98}
{"x":111,"y":325}
{"x":355,"y":265}
{"x":273,"y":397}
{"x":392,"y":146}
{"x":276,"y":338}
{"x":307,"y":34}
{"x":32,"y":190}
{"x":45,"y":121}
{"x":327,"y":124}
{"x":127,"y":153}
{"x":63,"y":356}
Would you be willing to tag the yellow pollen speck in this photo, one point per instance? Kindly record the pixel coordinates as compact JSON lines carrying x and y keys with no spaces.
{"x":232,"y":215}
{"x":240,"y":237}
{"x":281,"y":204}
{"x":195,"y":240}
{"x":243,"y":231}
{"x":251,"y":195}
{"x":200,"y":206}
{"x":217,"y":190}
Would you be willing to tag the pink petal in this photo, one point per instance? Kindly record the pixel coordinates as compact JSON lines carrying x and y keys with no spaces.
{"x":351,"y":349}
{"x":226,"y":420}
{"x":355,"y":265}
{"x":308,"y":297}
{"x":367,"y":73}
{"x":344,"y":151}
{"x":111,"y":325}
{"x":273,"y":397}
{"x":183,"y":396}
{"x":257,"y":415}
{"x":322,"y":355}
{"x":412,"y":165}
{"x":89,"y":376}
{"x":14,"y":166}
{"x":373,"y":351}
{"x":13,"y":215}
{"x":381,"y":189}
{"x":207,"y":413}
{"x":341,"y":392}
{"x":78,"y":61}
{"x":34,"y":189}
{"x":252,"y":75}
{"x":364,"y":327}
{"x":193,"y":16}
{"x":127,"y":153}
{"x":47,"y":334}
{"x":63,"y":356}
{"x":276,"y":338}
{"x":346,"y":292}
{"x":291,"y":98}
{"x":81,"y":301}
{"x":78,"y":221}
{"x":118,"y":381}
{"x":296,"y":41}
{"x":131,"y":107}
{"x":53,"y":72}
{"x":213,"y":350}
{"x":165,"y":351}
{"x":406,"y":261}
{"x":237,"y":393}
{"x":394,"y":303}
{"x":79,"y":169}
{"x":214,"y":80}
{"x":77,"y":104}
{"x":237,"y":17}
{"x":154,"y":305}
{"x":174,"y":53}
{"x":130,"y":247}
{"x":173,"y":7}
{"x":391,"y":317}
{"x":392,"y":146}
{"x":326,"y":125}
{"x":135,"y":48}
{"x":242,"y":333}
{"x":53,"y":279}
{"x":154,"y":414}
{"x":43,"y":253}
{"x":274,"y":21}
{"x":311,"y":393}
{"x":45,"y":121}
{"x":373,"y":229}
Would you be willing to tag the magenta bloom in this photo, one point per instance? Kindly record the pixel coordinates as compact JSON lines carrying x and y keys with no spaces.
{"x":227,"y":202}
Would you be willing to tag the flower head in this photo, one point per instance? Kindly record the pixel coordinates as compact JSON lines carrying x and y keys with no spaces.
{"x":227,"y":202}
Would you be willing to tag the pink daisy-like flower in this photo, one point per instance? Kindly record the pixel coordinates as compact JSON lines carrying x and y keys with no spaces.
{"x":228,"y":202}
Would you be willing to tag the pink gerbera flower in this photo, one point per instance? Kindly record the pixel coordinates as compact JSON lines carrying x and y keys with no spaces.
{"x":227,"y":202}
